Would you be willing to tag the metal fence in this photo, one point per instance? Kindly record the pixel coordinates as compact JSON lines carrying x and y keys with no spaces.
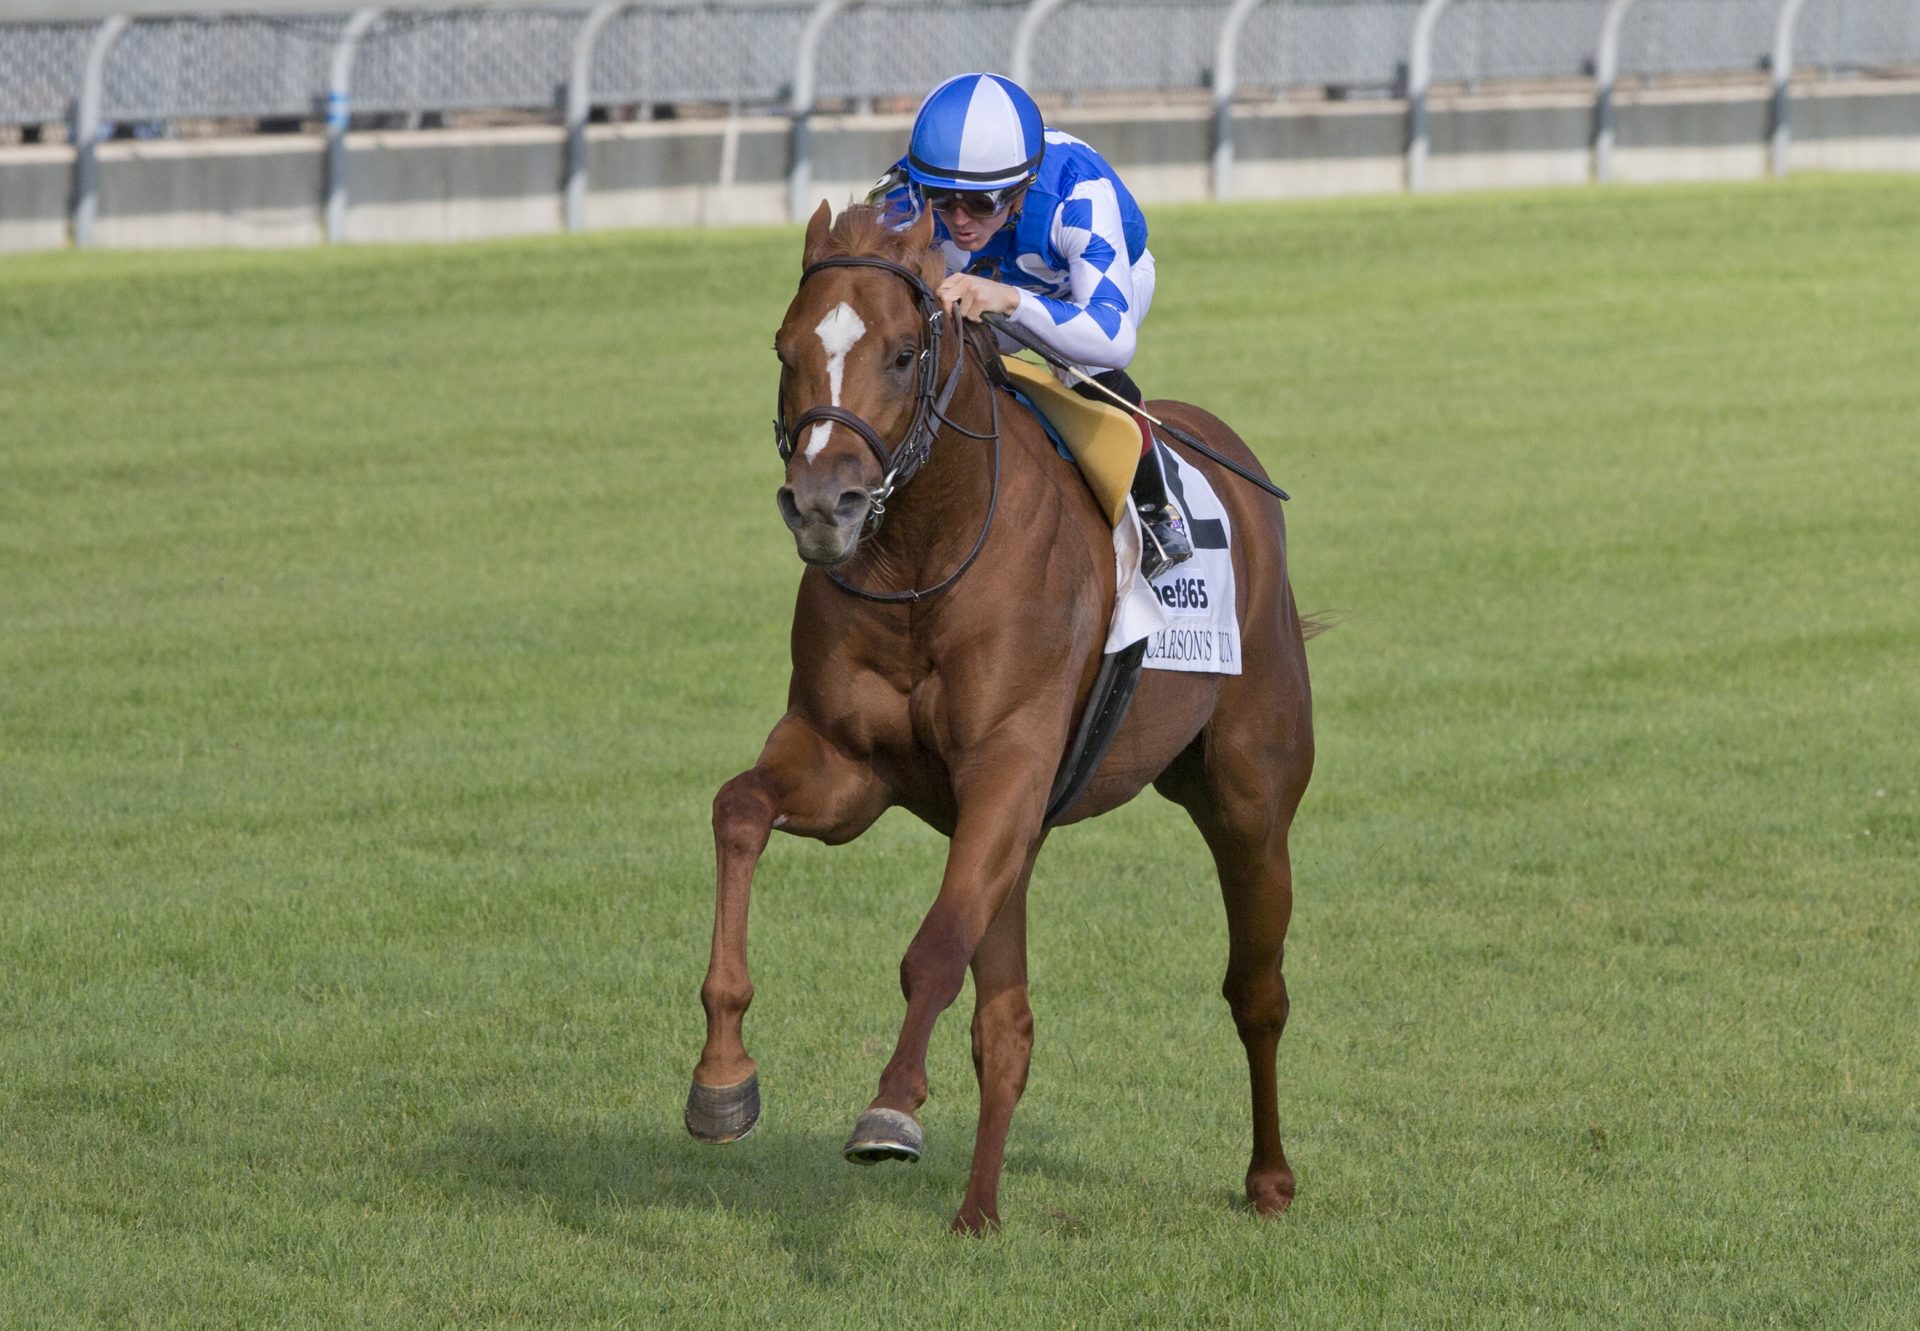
{"x":147,"y":75}
{"x":743,"y":53}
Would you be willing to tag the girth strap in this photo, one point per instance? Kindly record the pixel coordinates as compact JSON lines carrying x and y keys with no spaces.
{"x":1113,"y":690}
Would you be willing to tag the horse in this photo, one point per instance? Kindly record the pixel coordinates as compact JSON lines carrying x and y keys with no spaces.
{"x":917,"y":495}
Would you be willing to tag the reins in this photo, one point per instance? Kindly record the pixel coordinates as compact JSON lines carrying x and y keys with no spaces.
{"x":1000,"y":323}
{"x":900,"y":463}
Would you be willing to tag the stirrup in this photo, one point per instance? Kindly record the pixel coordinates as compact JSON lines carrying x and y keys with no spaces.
{"x":1164,"y":542}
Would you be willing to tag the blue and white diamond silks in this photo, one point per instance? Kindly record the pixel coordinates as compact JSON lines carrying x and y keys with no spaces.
{"x":1094,"y":321}
{"x":1077,"y":253}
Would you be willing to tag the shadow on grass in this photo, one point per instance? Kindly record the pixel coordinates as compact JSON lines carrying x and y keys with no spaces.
{"x":789,"y":1184}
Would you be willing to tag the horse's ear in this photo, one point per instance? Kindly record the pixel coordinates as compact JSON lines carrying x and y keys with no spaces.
{"x":817,"y":227}
{"x":921,"y":233}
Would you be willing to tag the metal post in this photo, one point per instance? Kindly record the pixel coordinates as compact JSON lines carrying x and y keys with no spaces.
{"x":1419,"y":79}
{"x":86,"y":130}
{"x":800,"y":165}
{"x":579,"y":106}
{"x":1782,"y":79}
{"x":1225,"y":47}
{"x":1020,"y":63}
{"x":1606,"y":73}
{"x":339,"y":114}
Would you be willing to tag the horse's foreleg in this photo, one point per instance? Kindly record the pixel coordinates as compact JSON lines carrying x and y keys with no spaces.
{"x":805,"y":785}
{"x":1002,"y":1046}
{"x":995,"y":836}
{"x":724,"y":1102}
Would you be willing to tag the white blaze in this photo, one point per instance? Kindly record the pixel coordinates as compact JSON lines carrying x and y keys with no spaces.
{"x":838,"y":332}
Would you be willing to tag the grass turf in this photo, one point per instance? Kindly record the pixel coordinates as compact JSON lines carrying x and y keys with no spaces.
{"x":378,"y":623}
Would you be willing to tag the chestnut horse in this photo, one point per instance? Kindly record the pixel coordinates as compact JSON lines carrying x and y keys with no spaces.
{"x":922,"y":678}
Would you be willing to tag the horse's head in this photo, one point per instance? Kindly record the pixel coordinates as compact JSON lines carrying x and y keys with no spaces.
{"x":856,"y":352}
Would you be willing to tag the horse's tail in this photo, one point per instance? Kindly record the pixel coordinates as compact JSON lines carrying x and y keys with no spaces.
{"x":1312,"y":626}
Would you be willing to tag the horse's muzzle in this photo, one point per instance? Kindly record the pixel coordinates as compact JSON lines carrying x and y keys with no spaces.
{"x":825,"y":521}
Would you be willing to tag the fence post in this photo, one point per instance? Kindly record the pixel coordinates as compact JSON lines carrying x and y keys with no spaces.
{"x":1782,"y":63}
{"x":1020,"y":61}
{"x":1225,"y":78}
{"x":339,"y":114}
{"x":800,"y":161}
{"x":86,"y":130}
{"x":579,"y":106}
{"x":1419,"y":79}
{"x":1606,"y":73}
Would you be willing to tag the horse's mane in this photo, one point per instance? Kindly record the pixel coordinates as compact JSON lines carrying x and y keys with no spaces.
{"x":871,"y":231}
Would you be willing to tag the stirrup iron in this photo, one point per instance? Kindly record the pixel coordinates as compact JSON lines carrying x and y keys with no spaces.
{"x":1164,"y":539}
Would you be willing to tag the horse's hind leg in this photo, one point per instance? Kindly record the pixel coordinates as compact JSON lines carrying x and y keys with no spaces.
{"x":1257,"y":884}
{"x":806,"y":786}
{"x":1244,"y":817}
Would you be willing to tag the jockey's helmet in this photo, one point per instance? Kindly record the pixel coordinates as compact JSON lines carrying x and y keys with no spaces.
{"x":975,"y":132}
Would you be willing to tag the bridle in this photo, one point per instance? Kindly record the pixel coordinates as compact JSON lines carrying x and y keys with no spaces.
{"x":931,"y":398}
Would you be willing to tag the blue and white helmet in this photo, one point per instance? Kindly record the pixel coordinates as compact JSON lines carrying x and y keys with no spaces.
{"x":975,"y":132}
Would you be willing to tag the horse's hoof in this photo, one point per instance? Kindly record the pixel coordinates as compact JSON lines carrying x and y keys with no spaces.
{"x":717,"y":1114}
{"x":1270,"y":1196}
{"x":975,"y":1224}
{"x":885,"y":1134}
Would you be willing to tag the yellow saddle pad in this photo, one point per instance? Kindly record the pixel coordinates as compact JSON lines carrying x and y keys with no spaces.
{"x":1103,"y":439}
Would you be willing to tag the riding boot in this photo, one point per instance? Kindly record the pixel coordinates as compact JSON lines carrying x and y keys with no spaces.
{"x":1163,"y":529}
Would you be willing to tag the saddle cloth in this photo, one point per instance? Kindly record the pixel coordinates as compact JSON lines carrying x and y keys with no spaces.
{"x":1188,"y":615}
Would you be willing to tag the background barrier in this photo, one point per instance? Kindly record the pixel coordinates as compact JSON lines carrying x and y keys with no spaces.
{"x":271,"y":86}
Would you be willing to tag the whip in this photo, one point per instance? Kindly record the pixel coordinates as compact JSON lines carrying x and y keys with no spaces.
{"x":1000,"y":324}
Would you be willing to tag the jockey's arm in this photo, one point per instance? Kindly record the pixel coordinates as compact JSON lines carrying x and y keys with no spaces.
{"x":1095,"y":325}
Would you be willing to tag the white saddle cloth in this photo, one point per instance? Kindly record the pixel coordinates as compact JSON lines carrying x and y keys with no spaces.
{"x":1187,"y":615}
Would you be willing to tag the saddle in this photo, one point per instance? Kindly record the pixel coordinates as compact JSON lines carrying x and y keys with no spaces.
{"x":1104,"y":440}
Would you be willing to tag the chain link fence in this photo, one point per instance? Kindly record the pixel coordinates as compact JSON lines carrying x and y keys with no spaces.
{"x":40,"y":67}
{"x":739,"y":53}
{"x":1113,"y":46}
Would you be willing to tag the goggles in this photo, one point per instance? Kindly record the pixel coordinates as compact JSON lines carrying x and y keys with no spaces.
{"x":979,"y":204}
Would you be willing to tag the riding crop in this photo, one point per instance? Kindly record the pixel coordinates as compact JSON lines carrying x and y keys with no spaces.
{"x":999,"y":323}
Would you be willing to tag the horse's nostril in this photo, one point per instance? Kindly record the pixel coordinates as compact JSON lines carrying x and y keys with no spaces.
{"x":853,"y":504}
{"x":789,"y":508}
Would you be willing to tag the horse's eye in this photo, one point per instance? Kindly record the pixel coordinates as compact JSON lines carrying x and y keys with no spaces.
{"x":904,"y":358}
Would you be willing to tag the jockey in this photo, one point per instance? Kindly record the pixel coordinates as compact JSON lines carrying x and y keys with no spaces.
{"x":1036,"y":226}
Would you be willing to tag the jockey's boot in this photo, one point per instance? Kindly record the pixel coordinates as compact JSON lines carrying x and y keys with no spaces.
{"x":1165,"y":541}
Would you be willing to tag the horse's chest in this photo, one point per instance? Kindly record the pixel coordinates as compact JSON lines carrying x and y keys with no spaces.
{"x":927,"y":716}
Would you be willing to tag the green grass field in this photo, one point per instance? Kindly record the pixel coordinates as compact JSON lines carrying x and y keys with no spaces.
{"x":375,"y":627}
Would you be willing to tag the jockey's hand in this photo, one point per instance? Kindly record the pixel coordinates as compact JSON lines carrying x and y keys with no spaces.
{"x":970,"y":297}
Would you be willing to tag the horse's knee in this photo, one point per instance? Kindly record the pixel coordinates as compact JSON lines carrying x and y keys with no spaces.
{"x":933,"y":970}
{"x":1016,"y":1040}
{"x":1257,"y":997}
{"x":1003,"y":1039}
{"x":1004,"y":1025}
{"x":743,"y":814}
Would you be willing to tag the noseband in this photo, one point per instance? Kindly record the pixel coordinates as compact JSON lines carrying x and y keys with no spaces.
{"x":900,"y":462}
{"x":929,"y":418}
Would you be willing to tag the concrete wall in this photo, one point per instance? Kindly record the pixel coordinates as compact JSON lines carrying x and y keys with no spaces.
{"x":35,"y":184}
{"x":254,"y":192}
{"x":459,"y":185}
